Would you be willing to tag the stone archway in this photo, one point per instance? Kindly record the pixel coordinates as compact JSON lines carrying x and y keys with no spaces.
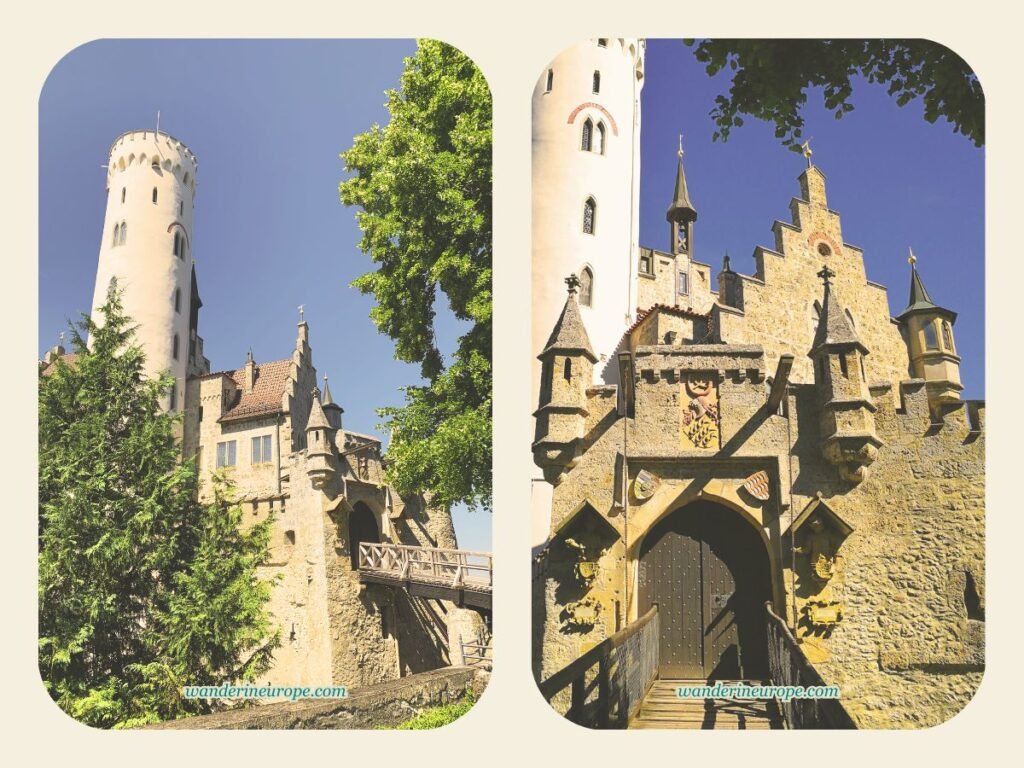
{"x":709,"y":571}
{"x":362,"y":529}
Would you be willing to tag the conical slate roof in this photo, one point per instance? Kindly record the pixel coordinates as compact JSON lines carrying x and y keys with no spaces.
{"x":919,"y":298}
{"x":569,"y":333}
{"x":834,"y":327}
{"x":681,"y":196}
{"x":328,"y":401}
{"x":317,"y":417}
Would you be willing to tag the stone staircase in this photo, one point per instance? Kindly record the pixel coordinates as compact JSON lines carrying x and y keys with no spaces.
{"x":661,"y":708}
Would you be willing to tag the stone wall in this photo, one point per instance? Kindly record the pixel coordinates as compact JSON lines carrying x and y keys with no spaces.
{"x":383,"y":705}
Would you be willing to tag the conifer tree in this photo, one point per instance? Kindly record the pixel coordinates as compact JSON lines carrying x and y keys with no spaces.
{"x":142,"y":588}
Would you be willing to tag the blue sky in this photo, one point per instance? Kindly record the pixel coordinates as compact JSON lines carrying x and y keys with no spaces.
{"x":896,"y":181}
{"x":267,"y":120}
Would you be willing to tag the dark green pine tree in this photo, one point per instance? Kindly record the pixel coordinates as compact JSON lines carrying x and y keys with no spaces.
{"x":142,"y":589}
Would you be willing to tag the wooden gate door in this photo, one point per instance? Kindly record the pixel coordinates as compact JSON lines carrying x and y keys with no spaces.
{"x":708,"y":573}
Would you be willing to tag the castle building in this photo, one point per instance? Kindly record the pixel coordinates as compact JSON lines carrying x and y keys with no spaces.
{"x":280,"y":440}
{"x":776,"y":438}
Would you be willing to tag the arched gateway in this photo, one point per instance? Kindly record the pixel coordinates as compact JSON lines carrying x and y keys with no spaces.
{"x":708,"y":571}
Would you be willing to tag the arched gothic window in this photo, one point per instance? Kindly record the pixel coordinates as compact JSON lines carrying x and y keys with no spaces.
{"x":588,"y":135}
{"x":587,"y":287}
{"x":124,"y":234}
{"x":117,"y":235}
{"x":599,"y":144}
{"x":947,"y":336}
{"x":156,"y":164}
{"x":597,"y":81}
{"x":589,"y":215}
{"x":931,"y":341}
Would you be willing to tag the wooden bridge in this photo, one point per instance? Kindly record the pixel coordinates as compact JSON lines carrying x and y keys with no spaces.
{"x":461,"y":576}
{"x":616,"y":684}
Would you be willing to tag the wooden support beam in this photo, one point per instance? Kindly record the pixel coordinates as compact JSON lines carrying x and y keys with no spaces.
{"x":780,"y":382}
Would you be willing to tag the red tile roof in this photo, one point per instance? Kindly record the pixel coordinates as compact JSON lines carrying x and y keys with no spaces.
{"x":673,"y":309}
{"x":267,"y":392}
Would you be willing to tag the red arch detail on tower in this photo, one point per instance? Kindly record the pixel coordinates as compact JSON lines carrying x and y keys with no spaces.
{"x":599,"y":108}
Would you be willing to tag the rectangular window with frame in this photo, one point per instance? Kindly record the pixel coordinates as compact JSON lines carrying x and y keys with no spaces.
{"x":684,"y":284}
{"x":226,"y":454}
{"x":645,"y":265}
{"x":261,"y":450}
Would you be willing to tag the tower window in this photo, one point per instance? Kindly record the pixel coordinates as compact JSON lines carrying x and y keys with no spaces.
{"x":684,"y":284}
{"x":567,"y":369}
{"x":117,"y":235}
{"x":587,"y":287}
{"x":843,"y":366}
{"x":597,"y":81}
{"x":174,"y":395}
{"x":156,"y":164}
{"x":863,"y":373}
{"x":589,"y":214}
{"x":602,"y":42}
{"x":599,"y":146}
{"x":177,"y":244}
{"x":175,"y":347}
{"x":588,"y":135}
{"x":124,"y":234}
{"x":181,"y":207}
{"x":550,"y":81}
{"x":645,"y":264}
{"x":177,"y":300}
{"x":931,"y":341}
{"x":947,"y":336}
{"x":123,"y":191}
{"x":154,"y":194}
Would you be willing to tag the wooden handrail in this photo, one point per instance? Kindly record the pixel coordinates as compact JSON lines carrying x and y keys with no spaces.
{"x":576,"y":669}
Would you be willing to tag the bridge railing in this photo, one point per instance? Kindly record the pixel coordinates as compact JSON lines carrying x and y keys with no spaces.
{"x":789,"y":666}
{"x":452,"y":567}
{"x":609,"y":681}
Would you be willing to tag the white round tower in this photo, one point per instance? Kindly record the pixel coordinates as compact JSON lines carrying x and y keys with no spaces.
{"x":147,"y":247}
{"x":586,"y":192}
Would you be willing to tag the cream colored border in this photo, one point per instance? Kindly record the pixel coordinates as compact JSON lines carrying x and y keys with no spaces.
{"x":512,"y":42}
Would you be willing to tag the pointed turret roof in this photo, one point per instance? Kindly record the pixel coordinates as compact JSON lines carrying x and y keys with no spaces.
{"x":569,"y":333}
{"x":834,"y":326}
{"x":919,"y":298}
{"x":317,"y":417}
{"x":327,"y":401}
{"x":681,"y":196}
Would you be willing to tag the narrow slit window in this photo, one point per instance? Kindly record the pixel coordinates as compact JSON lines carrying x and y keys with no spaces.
{"x":550,"y":81}
{"x":567,"y":369}
{"x":174,"y":345}
{"x":124,"y":191}
{"x":117,"y":235}
{"x":597,"y":81}
{"x":181,"y":207}
{"x":587,"y":287}
{"x":154,"y":194}
{"x":589,"y":215}
{"x":177,"y":244}
{"x":843,"y":368}
{"x":599,"y":143}
{"x":124,"y":234}
{"x":177,"y":300}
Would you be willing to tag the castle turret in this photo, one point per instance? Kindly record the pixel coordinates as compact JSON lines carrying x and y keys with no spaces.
{"x":928,"y":331}
{"x":586,"y":186}
{"x":147,"y":249}
{"x":331,"y":408}
{"x":681,"y":216}
{"x":319,"y":443}
{"x":567,"y":366}
{"x":846,"y":419}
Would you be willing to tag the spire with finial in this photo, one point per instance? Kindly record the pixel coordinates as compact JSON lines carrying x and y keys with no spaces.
{"x":569,"y":333}
{"x":805,"y":150}
{"x":834,"y":327}
{"x":919,"y":298}
{"x":573,"y":284}
{"x":726,"y":263}
{"x":302,"y":313}
{"x":331,"y":408}
{"x":681,"y":214}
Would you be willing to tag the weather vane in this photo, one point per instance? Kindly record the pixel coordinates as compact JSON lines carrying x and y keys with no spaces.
{"x":573,"y":282}
{"x":60,"y":339}
{"x":302,"y":313}
{"x":911,"y":259}
{"x":680,"y":145}
{"x":806,"y":149}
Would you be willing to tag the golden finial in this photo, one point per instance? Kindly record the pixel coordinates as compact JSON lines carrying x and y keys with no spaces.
{"x":911,"y":259}
{"x":806,"y":150}
{"x":302,"y":313}
{"x":680,"y":153}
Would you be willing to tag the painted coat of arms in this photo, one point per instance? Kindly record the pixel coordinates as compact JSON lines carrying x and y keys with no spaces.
{"x":700,"y":427}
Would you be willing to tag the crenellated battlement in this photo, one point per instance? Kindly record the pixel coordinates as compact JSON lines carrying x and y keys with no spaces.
{"x":140,"y":148}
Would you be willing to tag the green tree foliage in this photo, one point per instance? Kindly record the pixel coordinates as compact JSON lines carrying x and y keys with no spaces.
{"x":423,"y":184}
{"x":770,"y":79}
{"x":142,"y":589}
